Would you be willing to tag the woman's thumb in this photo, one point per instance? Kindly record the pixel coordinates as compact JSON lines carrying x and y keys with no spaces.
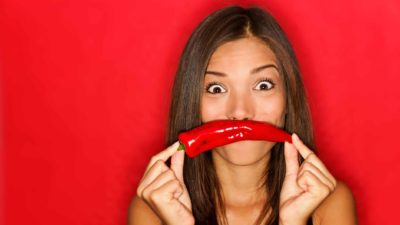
{"x":177,"y":161}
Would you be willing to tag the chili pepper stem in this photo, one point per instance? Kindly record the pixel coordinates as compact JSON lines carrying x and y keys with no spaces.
{"x":181,"y":147}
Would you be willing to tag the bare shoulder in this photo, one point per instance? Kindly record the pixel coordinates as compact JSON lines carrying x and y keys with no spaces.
{"x":140,"y":213}
{"x":338,"y":208}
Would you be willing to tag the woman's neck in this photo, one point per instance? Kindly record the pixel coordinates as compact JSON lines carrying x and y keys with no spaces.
{"x":241,"y":185}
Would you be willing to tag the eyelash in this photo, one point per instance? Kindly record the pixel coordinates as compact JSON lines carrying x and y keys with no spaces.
{"x":216,"y":83}
{"x":211,"y":84}
{"x":268,"y":80}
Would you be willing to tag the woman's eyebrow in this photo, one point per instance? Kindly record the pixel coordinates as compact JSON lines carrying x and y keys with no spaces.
{"x":253,"y":71}
{"x":258,"y":69}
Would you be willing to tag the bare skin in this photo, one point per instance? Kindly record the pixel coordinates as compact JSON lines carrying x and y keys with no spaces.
{"x":234,"y":90}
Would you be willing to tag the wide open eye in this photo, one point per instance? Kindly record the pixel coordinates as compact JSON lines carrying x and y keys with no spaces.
{"x":215,"y":88}
{"x":264,"y":84}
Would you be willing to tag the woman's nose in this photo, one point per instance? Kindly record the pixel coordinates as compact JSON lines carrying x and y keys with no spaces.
{"x":240,"y":107}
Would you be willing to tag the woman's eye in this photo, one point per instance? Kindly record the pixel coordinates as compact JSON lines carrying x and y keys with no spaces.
{"x":264,"y":85}
{"x":215,"y":89}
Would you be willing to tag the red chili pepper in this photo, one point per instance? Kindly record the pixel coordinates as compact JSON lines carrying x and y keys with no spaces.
{"x":221,"y":132}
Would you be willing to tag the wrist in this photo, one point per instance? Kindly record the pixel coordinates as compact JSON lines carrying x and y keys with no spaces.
{"x":286,"y":222}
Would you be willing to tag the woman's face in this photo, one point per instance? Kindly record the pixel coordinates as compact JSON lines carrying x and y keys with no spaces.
{"x":242,"y":82}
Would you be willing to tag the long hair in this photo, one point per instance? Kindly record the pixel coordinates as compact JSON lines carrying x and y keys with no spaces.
{"x":222,"y":26}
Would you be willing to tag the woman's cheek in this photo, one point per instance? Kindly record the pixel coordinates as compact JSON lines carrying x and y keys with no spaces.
{"x":271,"y":109}
{"x":211,"y":109}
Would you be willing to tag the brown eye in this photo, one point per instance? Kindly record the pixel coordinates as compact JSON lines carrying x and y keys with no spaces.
{"x":264,"y":85}
{"x":215,"y":89}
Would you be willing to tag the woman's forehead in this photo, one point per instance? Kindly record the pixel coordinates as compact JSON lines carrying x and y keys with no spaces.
{"x":242,"y":52}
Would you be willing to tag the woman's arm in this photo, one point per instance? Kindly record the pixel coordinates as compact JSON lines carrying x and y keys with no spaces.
{"x":141,"y":214}
{"x":338,"y":208}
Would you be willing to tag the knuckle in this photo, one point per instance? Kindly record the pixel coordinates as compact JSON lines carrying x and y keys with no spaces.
{"x":158,"y":162}
{"x":153,"y":160}
{"x":139,"y":191}
{"x":331,"y":189}
{"x":325,"y":190}
{"x":169,"y":173}
{"x":153,"y":196}
{"x":145,"y":193}
{"x":310,"y":156}
{"x":306,"y":165}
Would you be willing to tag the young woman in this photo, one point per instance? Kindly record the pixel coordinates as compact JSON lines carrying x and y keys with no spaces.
{"x":239,"y":65}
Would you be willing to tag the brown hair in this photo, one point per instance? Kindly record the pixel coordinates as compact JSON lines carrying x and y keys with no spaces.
{"x":229,"y":24}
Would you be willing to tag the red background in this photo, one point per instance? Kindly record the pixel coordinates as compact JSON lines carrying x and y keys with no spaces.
{"x":86,"y":86}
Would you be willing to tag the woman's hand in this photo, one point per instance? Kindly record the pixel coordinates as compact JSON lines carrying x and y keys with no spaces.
{"x":305,"y":186}
{"x":163,"y":189}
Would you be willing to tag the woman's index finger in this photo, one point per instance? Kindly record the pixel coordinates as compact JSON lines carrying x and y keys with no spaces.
{"x":164,"y":155}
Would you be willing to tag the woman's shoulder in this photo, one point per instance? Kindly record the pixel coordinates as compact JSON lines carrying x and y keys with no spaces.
{"x":140,"y":213}
{"x":338,"y":208}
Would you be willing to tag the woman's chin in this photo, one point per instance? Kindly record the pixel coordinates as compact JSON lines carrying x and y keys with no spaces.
{"x":244,"y":153}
